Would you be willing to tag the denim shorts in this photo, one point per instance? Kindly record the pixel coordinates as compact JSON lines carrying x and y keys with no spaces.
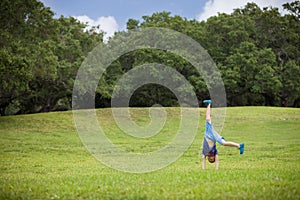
{"x":211,"y":134}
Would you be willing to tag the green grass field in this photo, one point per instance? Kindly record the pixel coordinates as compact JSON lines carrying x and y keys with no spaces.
{"x":42,"y":157}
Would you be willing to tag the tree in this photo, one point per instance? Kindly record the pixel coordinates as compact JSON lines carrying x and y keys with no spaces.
{"x":19,"y":21}
{"x":251,"y":75}
{"x":57,"y":62}
{"x":39,"y":57}
{"x":293,"y":8}
{"x":256,"y":50}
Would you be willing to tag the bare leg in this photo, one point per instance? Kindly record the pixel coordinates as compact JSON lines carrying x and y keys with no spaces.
{"x":208,"y":119}
{"x":232,"y":144}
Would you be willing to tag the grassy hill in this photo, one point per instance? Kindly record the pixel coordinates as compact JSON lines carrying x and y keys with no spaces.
{"x":42,"y":157}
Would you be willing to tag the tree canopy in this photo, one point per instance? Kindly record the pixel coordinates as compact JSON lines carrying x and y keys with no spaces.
{"x":257,"y":51}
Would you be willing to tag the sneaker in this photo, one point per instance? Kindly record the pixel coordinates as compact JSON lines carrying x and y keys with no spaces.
{"x":242,"y":148}
{"x":207,"y":102}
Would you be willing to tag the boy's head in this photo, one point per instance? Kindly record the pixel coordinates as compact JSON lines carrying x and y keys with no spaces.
{"x":211,"y":159}
{"x":211,"y":156}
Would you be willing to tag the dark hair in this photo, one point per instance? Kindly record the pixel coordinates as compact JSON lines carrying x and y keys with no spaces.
{"x":212,"y":160}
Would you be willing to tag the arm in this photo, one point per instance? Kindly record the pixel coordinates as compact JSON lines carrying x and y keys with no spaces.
{"x":217,"y":161}
{"x":203,"y":162}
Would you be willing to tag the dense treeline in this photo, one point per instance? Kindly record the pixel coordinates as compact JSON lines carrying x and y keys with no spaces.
{"x":39,"y":57}
{"x":256,"y":49}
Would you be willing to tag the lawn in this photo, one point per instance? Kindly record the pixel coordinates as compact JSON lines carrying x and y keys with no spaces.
{"x":42,"y":157}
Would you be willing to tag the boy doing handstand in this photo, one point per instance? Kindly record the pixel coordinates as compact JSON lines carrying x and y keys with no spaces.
{"x":209,"y":149}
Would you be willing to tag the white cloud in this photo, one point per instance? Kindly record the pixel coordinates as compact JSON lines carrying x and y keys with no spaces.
{"x":107,"y":24}
{"x":213,"y":7}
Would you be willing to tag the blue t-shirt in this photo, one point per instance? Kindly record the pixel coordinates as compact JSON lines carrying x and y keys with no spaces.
{"x":212,"y":135}
{"x":209,"y":151}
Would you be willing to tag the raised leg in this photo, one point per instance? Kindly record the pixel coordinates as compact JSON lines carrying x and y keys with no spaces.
{"x":208,"y":118}
{"x":232,"y":144}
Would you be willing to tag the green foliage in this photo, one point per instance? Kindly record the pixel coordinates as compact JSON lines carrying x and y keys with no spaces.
{"x":291,"y":85}
{"x":253,"y":72}
{"x":256,"y":50}
{"x":39,"y":57}
{"x":42,"y":157}
{"x":293,"y":8}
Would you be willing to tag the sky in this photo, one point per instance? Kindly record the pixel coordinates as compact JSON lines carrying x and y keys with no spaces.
{"x":112,"y":15}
